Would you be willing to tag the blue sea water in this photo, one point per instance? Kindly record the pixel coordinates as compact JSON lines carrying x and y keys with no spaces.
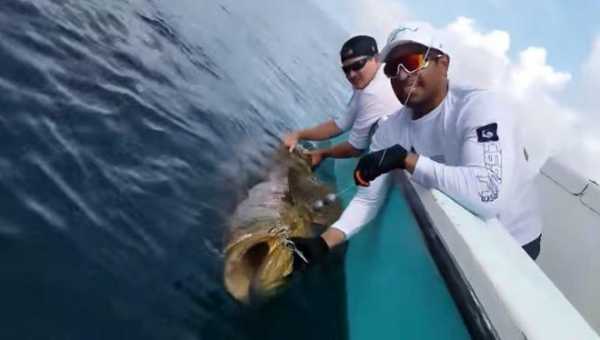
{"x":129,"y":131}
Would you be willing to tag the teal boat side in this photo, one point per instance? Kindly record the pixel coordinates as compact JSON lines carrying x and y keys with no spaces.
{"x":393,"y":286}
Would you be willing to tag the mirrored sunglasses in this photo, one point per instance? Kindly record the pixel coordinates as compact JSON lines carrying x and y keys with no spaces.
{"x":409,"y":63}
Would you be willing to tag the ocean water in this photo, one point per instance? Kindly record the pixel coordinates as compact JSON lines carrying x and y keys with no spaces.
{"x":130,"y":130}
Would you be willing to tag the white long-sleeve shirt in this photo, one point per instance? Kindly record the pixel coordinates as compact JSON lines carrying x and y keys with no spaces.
{"x":365,"y":108}
{"x":468,"y":148}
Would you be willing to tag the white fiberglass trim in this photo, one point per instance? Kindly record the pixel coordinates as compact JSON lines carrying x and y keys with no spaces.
{"x":519,"y":298}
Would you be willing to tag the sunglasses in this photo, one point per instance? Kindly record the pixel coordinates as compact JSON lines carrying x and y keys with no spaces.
{"x":410,"y":63}
{"x":356,"y":66}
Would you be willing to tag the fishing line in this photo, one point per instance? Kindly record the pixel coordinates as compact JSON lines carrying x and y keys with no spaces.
{"x":410,"y":91}
{"x":330,"y":198}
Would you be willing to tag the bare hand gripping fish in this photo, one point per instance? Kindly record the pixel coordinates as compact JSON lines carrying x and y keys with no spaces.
{"x":258,"y":253}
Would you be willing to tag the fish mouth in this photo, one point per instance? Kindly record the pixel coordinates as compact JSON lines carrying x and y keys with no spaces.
{"x":255,"y":268}
{"x":255,"y":256}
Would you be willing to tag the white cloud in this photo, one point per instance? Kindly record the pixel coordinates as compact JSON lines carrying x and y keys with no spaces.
{"x":591,"y":77}
{"x":381,"y":17}
{"x":532,"y":73}
{"x":375,"y":18}
{"x":588,"y":124}
{"x":478,"y":59}
{"x":495,"y":42}
{"x":591,"y":65}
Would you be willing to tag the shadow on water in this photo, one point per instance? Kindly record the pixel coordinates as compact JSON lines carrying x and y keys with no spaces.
{"x":311,"y":306}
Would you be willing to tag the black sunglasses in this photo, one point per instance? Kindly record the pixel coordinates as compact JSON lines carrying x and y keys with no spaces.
{"x":355,"y":66}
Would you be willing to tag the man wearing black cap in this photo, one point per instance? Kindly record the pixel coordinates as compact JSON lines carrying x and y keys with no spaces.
{"x":372,"y":99}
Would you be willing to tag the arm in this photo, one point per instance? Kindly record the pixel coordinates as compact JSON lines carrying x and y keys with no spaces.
{"x":485,"y":160}
{"x":325,"y":130}
{"x":475,"y":187}
{"x":479,"y":183}
{"x":366,"y":202}
{"x":362,"y":209}
{"x":319,"y":132}
{"x":365,"y":112}
{"x":341,"y":150}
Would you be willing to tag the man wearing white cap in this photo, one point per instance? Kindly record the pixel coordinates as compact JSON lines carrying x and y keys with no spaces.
{"x":460,"y":141}
{"x":372,"y":98}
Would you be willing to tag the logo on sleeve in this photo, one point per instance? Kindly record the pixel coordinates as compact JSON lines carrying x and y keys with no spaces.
{"x":488,"y":133}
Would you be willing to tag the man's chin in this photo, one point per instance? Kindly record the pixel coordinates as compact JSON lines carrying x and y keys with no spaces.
{"x":412,"y":96}
{"x":358,"y":85}
{"x":409,"y":101}
{"x":402,"y":97}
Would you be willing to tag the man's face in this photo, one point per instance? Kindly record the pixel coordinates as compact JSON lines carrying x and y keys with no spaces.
{"x":360,"y":70}
{"x":417,"y":88}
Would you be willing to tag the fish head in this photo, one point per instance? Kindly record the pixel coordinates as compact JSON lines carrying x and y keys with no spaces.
{"x":256,"y":266}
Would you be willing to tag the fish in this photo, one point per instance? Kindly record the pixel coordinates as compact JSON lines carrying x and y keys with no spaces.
{"x":258,"y":253}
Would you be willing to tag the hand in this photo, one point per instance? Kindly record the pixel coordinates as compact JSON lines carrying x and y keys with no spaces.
{"x":314,"y":249}
{"x":376,"y":163}
{"x":316,"y":156}
{"x":291,"y":140}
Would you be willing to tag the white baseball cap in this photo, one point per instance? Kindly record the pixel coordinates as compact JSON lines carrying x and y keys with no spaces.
{"x":409,"y":33}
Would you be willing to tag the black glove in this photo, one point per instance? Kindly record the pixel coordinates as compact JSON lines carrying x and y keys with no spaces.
{"x":313,"y":249}
{"x":372,"y":165}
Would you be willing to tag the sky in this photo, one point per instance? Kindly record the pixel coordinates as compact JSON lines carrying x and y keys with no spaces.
{"x":543,"y":56}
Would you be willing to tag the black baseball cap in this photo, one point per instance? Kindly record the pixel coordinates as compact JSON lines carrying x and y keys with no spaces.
{"x":360,"y":45}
